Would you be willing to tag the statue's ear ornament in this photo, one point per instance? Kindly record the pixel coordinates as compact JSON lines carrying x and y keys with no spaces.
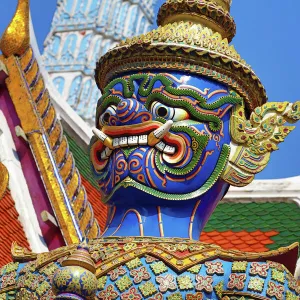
{"x":255,"y":139}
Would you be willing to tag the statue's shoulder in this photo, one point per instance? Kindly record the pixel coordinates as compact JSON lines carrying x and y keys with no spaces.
{"x":153,"y":268}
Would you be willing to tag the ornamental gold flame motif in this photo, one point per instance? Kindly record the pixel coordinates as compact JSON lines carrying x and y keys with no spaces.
{"x":181,"y":118}
{"x":4,"y":180}
{"x":16,"y":40}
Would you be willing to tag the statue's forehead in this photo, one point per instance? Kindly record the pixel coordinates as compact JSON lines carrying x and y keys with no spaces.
{"x":203,"y":85}
{"x":175,"y":86}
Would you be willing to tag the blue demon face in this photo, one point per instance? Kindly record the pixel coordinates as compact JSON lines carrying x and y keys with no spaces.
{"x":164,"y":134}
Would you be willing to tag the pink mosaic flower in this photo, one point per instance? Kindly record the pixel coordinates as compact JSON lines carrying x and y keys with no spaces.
{"x":204,"y":283}
{"x":259,"y":269}
{"x":236,"y":281}
{"x":8,"y":280}
{"x":132,"y":294}
{"x":275,"y":290}
{"x":214,"y":268}
{"x":157,"y":296}
{"x":166,"y":283}
{"x":114,"y":274}
{"x":140,"y":274}
{"x":109,"y":293}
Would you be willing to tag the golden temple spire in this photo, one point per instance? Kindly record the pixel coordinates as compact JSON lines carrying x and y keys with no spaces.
{"x":16,"y":38}
{"x":212,"y":14}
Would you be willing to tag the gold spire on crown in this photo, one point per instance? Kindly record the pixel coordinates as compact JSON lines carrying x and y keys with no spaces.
{"x":16,"y":38}
{"x":193,"y":37}
{"x":213,"y":14}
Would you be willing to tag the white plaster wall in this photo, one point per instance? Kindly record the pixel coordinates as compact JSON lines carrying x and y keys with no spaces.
{"x":286,"y":189}
{"x":19,"y":189}
{"x":109,"y":37}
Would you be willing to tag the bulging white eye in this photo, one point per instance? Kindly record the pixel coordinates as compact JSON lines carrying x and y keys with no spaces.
{"x":106,"y":116}
{"x":169,"y":113}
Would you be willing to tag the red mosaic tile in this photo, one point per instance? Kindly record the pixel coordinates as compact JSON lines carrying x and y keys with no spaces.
{"x":11,"y":229}
{"x":243,"y":241}
{"x":94,"y":197}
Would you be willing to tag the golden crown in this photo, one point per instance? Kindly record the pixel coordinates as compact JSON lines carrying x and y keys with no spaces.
{"x":192,"y":36}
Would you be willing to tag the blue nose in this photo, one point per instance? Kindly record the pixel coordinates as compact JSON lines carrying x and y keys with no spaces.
{"x":130,"y":111}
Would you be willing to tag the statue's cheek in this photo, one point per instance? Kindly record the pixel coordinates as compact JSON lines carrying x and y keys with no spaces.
{"x":98,"y":163}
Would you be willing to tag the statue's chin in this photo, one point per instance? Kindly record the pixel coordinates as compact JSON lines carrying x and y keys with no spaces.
{"x":137,"y":193}
{"x":133,"y":196}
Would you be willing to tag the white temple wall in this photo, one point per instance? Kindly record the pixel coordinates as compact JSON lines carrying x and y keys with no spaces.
{"x":19,"y":189}
{"x":81,"y":32}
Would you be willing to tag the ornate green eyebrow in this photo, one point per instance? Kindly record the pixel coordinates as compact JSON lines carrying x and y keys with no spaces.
{"x":213,"y":121}
{"x":146,"y":84}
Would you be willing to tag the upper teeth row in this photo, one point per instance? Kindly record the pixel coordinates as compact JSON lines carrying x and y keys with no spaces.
{"x":141,"y":140}
{"x":152,"y":139}
{"x":130,"y":141}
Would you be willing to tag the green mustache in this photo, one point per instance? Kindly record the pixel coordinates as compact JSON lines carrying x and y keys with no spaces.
{"x":199,"y":143}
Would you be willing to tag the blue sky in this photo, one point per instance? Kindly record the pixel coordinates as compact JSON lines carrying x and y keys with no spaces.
{"x":267,"y":38}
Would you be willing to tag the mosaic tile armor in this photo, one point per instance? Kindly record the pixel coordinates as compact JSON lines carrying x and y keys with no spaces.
{"x":149,"y":268}
{"x":181,"y":118}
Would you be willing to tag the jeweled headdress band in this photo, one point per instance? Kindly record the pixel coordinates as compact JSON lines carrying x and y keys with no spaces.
{"x":193,"y":36}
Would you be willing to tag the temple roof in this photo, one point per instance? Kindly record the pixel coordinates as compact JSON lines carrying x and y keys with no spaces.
{"x":10,"y":227}
{"x":254,"y":227}
{"x":93,"y":194}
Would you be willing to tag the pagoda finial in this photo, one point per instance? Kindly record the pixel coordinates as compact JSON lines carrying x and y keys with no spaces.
{"x":16,"y":38}
{"x":212,"y":14}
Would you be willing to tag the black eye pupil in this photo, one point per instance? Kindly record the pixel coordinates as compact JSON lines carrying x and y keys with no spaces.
{"x":162,"y":112}
{"x":106,"y":117}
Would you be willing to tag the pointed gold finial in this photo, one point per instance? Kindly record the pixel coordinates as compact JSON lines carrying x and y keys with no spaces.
{"x":16,"y":38}
{"x":4,"y":179}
